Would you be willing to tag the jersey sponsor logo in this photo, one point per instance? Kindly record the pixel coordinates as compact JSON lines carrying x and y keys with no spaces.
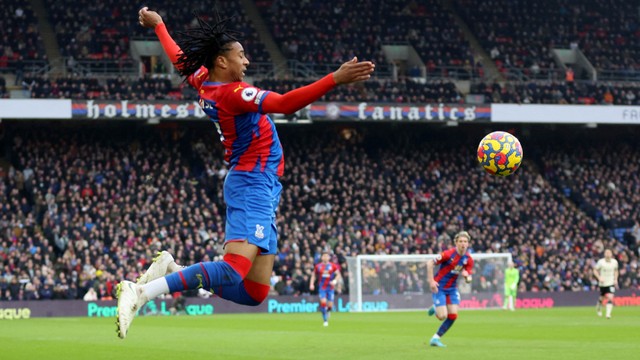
{"x":238,"y":88}
{"x":259,"y":231}
{"x":249,"y":94}
{"x":259,"y":97}
{"x":206,"y":105}
{"x":457,"y":269}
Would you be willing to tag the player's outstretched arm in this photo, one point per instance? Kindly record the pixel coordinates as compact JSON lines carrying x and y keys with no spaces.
{"x":312,"y":281}
{"x":153,"y":20}
{"x":350,"y":72}
{"x":432,"y":283}
{"x":353,"y":71}
{"x":596,"y":274}
{"x":337,"y":281}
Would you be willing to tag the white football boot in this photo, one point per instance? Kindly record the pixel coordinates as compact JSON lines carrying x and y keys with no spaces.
{"x":130,"y":299}
{"x":158,"y":269}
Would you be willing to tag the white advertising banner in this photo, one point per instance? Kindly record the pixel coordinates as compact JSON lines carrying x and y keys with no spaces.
{"x":35,"y":109}
{"x":565,"y":114}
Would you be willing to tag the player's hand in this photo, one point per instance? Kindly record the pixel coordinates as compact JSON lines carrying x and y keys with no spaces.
{"x":434,"y":286}
{"x":149,"y":19}
{"x":312,"y":287}
{"x":353,"y":71}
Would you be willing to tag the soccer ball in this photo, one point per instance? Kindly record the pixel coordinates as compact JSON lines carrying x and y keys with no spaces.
{"x":500,"y":153}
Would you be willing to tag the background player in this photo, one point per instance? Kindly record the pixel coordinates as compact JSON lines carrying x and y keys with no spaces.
{"x":214,"y":62}
{"x":606,"y":272}
{"x":511,"y":279}
{"x":446,"y":298}
{"x":328,"y":275}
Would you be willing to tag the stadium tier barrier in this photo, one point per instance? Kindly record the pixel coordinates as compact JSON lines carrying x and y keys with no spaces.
{"x":19,"y":310}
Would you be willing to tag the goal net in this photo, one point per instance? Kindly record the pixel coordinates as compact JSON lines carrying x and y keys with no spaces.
{"x":399,"y":282}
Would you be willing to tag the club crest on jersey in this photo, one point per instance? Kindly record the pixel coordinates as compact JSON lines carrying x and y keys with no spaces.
{"x":249,"y":94}
{"x":259,"y":231}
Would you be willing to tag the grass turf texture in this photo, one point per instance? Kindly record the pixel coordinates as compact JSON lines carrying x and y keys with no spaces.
{"x":562,"y":333}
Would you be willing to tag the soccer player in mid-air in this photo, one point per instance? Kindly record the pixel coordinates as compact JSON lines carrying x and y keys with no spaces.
{"x":446,"y":298}
{"x":328,"y":275}
{"x":214,"y":63}
{"x":606,"y":272}
{"x":511,"y":279}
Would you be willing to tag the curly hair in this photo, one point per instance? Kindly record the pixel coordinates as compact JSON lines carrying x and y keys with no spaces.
{"x":203,"y":44}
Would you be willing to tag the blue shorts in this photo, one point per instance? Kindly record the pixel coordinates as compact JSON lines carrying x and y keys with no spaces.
{"x":446,"y":297}
{"x":326,"y":294}
{"x":252,"y":199}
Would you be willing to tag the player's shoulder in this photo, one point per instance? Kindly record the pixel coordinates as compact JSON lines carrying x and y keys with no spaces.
{"x":450,"y":252}
{"x":244,"y":90}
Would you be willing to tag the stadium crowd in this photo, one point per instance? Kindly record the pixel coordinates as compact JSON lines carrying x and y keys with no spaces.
{"x":520,"y":34}
{"x":582,"y":93}
{"x":322,"y":32}
{"x":403,"y":90}
{"x":84,"y":208}
{"x":81,"y":37}
{"x":19,"y":36}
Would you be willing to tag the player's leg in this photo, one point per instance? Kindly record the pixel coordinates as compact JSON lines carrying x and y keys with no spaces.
{"x":439,"y":308}
{"x":600,"y":301}
{"x":609,"y":306}
{"x":330,"y":298}
{"x":511,"y":300}
{"x":452,"y":304}
{"x":210,"y":275}
{"x":163,"y":264}
{"x":322,"y":294}
{"x":255,"y":287}
{"x":514,"y":297}
{"x":248,"y":197}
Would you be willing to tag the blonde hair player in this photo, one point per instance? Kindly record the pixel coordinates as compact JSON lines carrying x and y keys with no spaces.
{"x":446,"y":298}
{"x":606,"y":272}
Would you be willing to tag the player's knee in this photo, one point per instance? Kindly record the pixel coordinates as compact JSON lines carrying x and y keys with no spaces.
{"x":452,"y":317}
{"x":239,"y":263}
{"x":323,"y":303}
{"x":258,"y":292}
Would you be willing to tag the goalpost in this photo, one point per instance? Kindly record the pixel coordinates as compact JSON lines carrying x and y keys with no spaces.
{"x":399,"y":282}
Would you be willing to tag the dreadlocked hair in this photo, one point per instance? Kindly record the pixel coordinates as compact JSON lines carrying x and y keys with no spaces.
{"x":203,"y":44}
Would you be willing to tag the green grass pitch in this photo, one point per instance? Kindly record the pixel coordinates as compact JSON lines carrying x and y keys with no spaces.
{"x":562,"y":333}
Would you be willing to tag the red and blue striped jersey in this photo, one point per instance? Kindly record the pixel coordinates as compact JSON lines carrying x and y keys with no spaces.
{"x":248,"y":135}
{"x":451,"y":265}
{"x":325,"y":274}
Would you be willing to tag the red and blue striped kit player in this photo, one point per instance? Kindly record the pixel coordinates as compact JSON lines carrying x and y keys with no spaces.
{"x":444,"y":290}
{"x":214,"y":63}
{"x":327,"y":275}
{"x":248,"y":135}
{"x":451,"y":264}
